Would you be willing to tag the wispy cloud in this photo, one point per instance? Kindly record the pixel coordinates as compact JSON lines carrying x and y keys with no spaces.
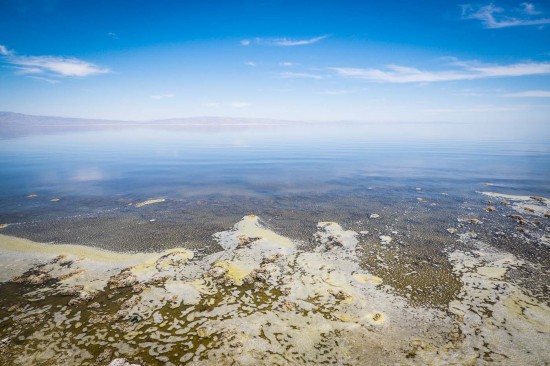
{"x":465,"y":71}
{"x":50,"y":66}
{"x":530,"y":94}
{"x":286,"y":64}
{"x":529,"y":8}
{"x":48,"y":80}
{"x":283,"y":42}
{"x":300,"y":75}
{"x":250,"y":63}
{"x":4,"y":51}
{"x":496,"y":17}
{"x":112,"y":35}
{"x":162,"y":96}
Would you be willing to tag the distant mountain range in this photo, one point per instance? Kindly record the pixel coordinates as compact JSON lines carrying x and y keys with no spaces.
{"x":17,"y":124}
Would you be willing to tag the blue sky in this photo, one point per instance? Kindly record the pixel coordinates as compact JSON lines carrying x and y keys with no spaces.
{"x":324,"y":60}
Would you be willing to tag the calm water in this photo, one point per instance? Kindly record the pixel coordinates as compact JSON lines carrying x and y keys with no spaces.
{"x":213,"y":176}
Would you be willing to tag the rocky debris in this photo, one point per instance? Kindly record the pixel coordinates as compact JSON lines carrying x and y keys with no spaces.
{"x":288,"y":305}
{"x":521,"y":229}
{"x":216,"y":272}
{"x":36,"y":278}
{"x":54,"y":200}
{"x":374,"y":216}
{"x":122,"y":362}
{"x":138,"y":288}
{"x":420,"y":199}
{"x":246,"y":240}
{"x":32,"y":195}
{"x":124,"y":279}
{"x":519,"y":219}
{"x":504,"y":202}
{"x":104,"y":356}
{"x":490,"y":208}
{"x":258,"y":278}
{"x":4,"y":343}
{"x":228,"y":335}
{"x":528,"y":209}
{"x":539,"y":199}
{"x":333,"y":242}
{"x":158,"y":279}
{"x":470,"y":220}
{"x":385,"y":239}
{"x":3,"y":226}
{"x":94,"y":305}
{"x":83,"y":296}
{"x":14,"y":307}
{"x":547,"y":215}
{"x":340,"y":295}
{"x":219,"y":275}
{"x":452,"y":230}
{"x":272,"y":258}
{"x":203,"y":332}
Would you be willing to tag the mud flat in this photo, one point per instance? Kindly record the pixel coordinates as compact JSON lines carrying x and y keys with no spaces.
{"x":263,"y":300}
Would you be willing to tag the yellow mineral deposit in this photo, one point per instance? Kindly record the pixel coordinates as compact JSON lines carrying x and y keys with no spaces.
{"x":150,"y":202}
{"x":262,"y":300}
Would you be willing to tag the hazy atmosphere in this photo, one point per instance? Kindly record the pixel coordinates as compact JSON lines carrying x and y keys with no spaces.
{"x":274,"y":183}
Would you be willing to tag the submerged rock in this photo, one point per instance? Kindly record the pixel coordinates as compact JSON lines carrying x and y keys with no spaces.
{"x":122,"y":362}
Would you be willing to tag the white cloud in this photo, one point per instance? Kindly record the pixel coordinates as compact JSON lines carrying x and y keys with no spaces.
{"x":466,"y":71}
{"x":529,"y":8}
{"x":297,"y":42}
{"x":530,"y":94}
{"x":286,"y":64}
{"x":52,"y":66}
{"x":250,"y":63}
{"x":4,"y":51}
{"x":112,"y":35}
{"x":495,"y":17}
{"x":162,"y":96}
{"x":300,"y":75}
{"x":58,"y":66}
{"x":283,"y":42}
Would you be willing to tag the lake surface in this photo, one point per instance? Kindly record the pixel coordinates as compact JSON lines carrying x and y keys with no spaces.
{"x":407,"y":182}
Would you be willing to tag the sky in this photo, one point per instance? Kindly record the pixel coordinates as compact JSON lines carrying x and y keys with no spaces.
{"x":394,"y":61}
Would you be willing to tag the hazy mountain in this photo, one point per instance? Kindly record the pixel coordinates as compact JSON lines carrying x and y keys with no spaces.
{"x":17,"y":124}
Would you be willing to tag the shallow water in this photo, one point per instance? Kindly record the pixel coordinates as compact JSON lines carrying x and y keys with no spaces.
{"x":154,"y":189}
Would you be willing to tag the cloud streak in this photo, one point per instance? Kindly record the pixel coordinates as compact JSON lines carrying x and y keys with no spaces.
{"x":466,"y":71}
{"x":50,"y":66}
{"x":494,"y":17}
{"x":282,"y":42}
{"x":530,"y":94}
